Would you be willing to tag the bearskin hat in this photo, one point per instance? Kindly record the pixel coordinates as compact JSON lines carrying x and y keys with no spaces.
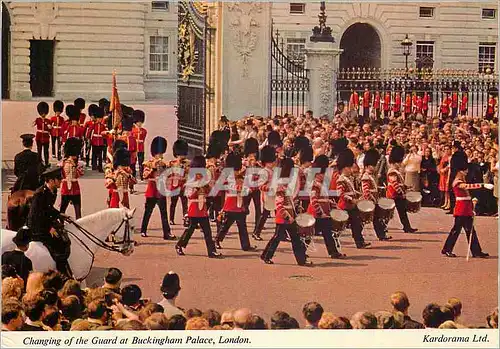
{"x":79,"y":103}
{"x":158,"y":146}
{"x":121,"y":158}
{"x":42,"y":108}
{"x":127,"y":123}
{"x":268,"y":154}
{"x":251,"y":146}
{"x":371,"y":158}
{"x":214,"y":150}
{"x":72,"y":147}
{"x":345,"y":159}
{"x":92,"y":109}
{"x":99,"y":113}
{"x":397,"y":154}
{"x":321,"y":162}
{"x":306,"y":155}
{"x":339,"y":145}
{"x":198,"y":162}
{"x":103,"y":102}
{"x":58,"y":106}
{"x":139,"y":116}
{"x":459,"y":161}
{"x":72,"y":113}
{"x":274,"y":139}
{"x":180,"y":148}
{"x":300,"y":143}
{"x":234,"y":161}
{"x":286,"y":165}
{"x":119,"y":144}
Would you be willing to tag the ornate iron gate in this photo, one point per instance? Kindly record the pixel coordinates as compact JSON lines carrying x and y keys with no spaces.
{"x":289,"y":81}
{"x":436,"y":83}
{"x":194,"y":36}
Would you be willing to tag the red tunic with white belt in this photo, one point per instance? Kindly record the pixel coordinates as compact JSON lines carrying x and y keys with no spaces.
{"x":43,"y":126}
{"x":150,"y":173}
{"x":197,"y":201}
{"x":395,"y":184}
{"x":71,"y":172}
{"x":354,"y":101}
{"x":397,"y":104}
{"x":74,"y":130}
{"x":284,"y":206}
{"x":57,"y":126}
{"x":347,"y":192}
{"x":463,"y":204}
{"x":408,"y":104}
{"x":387,"y":102}
{"x":97,"y":136}
{"x":320,"y":204}
{"x":139,"y":133}
{"x":87,"y":129}
{"x":366,"y":99}
{"x":369,"y":187}
{"x":234,"y":199}
{"x":376,"y":102}
{"x":425,"y":102}
{"x":463,"y":104}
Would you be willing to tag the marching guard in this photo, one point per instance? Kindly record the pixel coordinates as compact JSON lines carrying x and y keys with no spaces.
{"x":43,"y":128}
{"x":285,"y":221}
{"x":306,"y":159}
{"x":251,"y":160}
{"x":71,"y":171}
{"x":463,"y":211}
{"x":87,"y":131}
{"x":126,"y":135}
{"x":73,"y":128}
{"x":97,"y":139}
{"x":370,"y":191}
{"x":79,"y":104}
{"x":214,"y":162}
{"x":109,"y":175}
{"x":56,"y":131}
{"x":177,"y":181}
{"x":140,"y":134}
{"x":198,"y":213}
{"x":152,"y":169}
{"x":123,"y":178}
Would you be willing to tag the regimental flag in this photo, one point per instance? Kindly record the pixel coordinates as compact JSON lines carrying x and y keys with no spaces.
{"x":115,"y":106}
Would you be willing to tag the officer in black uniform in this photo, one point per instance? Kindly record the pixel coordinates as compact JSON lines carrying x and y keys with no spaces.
{"x":46,"y":222}
{"x":27,"y":166}
{"x":17,"y":258}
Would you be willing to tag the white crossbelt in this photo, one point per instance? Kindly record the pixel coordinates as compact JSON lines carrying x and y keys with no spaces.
{"x":73,"y":180}
{"x":463,"y":198}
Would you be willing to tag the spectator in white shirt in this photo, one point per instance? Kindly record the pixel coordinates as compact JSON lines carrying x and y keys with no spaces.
{"x":411,"y":165}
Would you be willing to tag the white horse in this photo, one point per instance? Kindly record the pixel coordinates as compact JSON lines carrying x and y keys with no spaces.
{"x":99,"y":225}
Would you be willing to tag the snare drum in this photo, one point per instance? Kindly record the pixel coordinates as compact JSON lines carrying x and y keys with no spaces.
{"x":414,"y":201}
{"x":339,"y":218}
{"x":305,"y":222}
{"x":385,"y":208}
{"x":366,"y":210}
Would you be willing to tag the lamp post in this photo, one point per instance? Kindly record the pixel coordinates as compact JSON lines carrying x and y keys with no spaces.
{"x":322,"y":33}
{"x":407,"y":44}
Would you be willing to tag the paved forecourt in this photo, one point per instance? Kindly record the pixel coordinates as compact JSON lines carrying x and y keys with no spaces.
{"x":364,"y":281}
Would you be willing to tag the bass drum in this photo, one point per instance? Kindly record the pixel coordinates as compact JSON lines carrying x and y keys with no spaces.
{"x":413,"y":201}
{"x":366,"y":211}
{"x":339,"y":220}
{"x":385,"y":209}
{"x":305,"y":222}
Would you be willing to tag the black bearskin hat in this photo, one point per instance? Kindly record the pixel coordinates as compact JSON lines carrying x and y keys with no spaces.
{"x":99,"y":113}
{"x":214,"y":150}
{"x":121,"y":158}
{"x":321,"y":162}
{"x":79,"y":103}
{"x":42,"y":108}
{"x":251,"y":146}
{"x":300,"y":143}
{"x":127,"y":123}
{"x":198,"y":162}
{"x":345,"y":159}
{"x":339,"y":145}
{"x":267,"y":154}
{"x":234,"y":161}
{"x":459,"y":161}
{"x":286,"y":165}
{"x":274,"y":139}
{"x":127,"y":111}
{"x":58,"y":106}
{"x":119,"y":144}
{"x":72,"y":113}
{"x":180,"y":148}
{"x":92,"y":109}
{"x":306,"y":155}
{"x":103,"y":102}
{"x":397,"y":154}
{"x":72,"y":147}
{"x":371,"y":158}
{"x":139,"y":116}
{"x":158,"y":146}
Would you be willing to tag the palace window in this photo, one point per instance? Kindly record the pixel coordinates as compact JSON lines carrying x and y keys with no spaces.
{"x":296,"y":50}
{"x":426,"y":12}
{"x":489,"y":13}
{"x":487,"y":53}
{"x":159,"y":5}
{"x":424,"y":54}
{"x":297,"y":8}
{"x":158,"y":53}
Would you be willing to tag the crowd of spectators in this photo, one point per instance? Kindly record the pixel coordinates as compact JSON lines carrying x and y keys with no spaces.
{"x":49,"y":303}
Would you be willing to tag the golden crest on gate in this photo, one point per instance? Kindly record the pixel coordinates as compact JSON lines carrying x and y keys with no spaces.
{"x":187,"y":55}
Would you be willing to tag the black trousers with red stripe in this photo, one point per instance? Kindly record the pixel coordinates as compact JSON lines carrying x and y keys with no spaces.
{"x":280,"y":234}
{"x":241,"y":221}
{"x":204,"y":224}
{"x":466,"y":223}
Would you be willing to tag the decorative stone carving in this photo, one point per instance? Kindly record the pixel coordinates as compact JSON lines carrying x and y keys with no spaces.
{"x":326,"y":89}
{"x":44,"y":13}
{"x":244,"y":26}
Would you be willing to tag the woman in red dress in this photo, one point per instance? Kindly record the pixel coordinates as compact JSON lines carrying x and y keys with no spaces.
{"x":444,"y":174}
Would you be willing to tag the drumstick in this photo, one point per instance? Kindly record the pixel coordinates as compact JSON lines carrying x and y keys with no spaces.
{"x":474,"y":203}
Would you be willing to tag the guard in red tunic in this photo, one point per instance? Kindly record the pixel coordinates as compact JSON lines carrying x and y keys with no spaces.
{"x":370,"y":191}
{"x":109,"y":175}
{"x":397,"y":105}
{"x":139,"y":134}
{"x":354,"y":101}
{"x":395,"y":186}
{"x":321,"y":205}
{"x":463,"y":212}
{"x":43,"y":127}
{"x":349,"y":196}
{"x":198,"y":213}
{"x":79,"y":103}
{"x":73,"y":129}
{"x":215,"y":162}
{"x":491,"y":108}
{"x":127,"y":136}
{"x":377,"y":105}
{"x":123,"y":177}
{"x":234,"y":209}
{"x":71,"y":171}
{"x":285,"y":221}
{"x":251,"y":161}
{"x":98,"y":132}
{"x":407,"y":105}
{"x":414,"y":100}
{"x":87,"y":132}
{"x":367,"y":101}
{"x":425,"y":104}
{"x":454,"y":105}
{"x":464,"y":103}
{"x":152,"y":170}
{"x":444,"y":109}
{"x":387,"y":106}
{"x":56,"y":131}
{"x":306,"y":158}
{"x":176,"y":181}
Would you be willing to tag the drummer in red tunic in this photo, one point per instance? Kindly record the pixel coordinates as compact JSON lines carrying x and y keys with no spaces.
{"x":123,"y":178}
{"x":71,"y":171}
{"x":198,"y":212}
{"x":463,"y":212}
{"x":370,"y":191}
{"x":285,"y":220}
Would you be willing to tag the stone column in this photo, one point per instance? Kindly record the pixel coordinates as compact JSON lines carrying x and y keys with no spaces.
{"x":246,"y":39}
{"x":322,"y":62}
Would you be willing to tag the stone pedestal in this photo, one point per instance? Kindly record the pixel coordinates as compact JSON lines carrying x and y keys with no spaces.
{"x":246,"y":37}
{"x":322,"y":62}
